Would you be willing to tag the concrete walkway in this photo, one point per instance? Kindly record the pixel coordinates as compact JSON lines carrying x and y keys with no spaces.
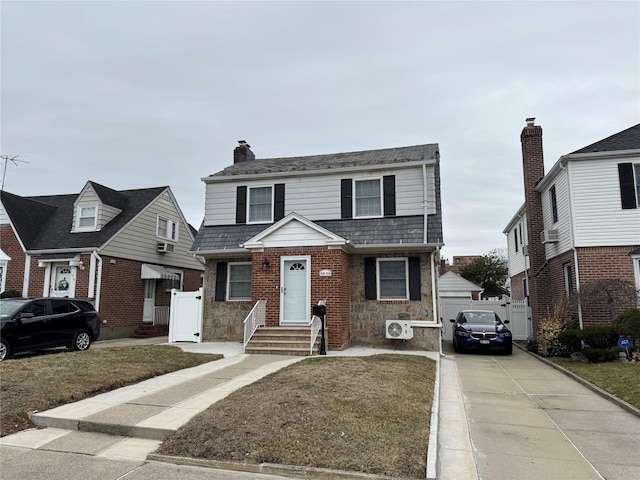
{"x":514,"y":417}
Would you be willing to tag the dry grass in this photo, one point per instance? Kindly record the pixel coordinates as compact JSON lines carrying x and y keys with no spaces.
{"x":46,"y":381}
{"x":618,"y":378}
{"x":364,"y":414}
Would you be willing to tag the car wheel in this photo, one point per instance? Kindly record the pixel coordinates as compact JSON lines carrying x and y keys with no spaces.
{"x":509,"y":350}
{"x":81,"y":340}
{"x":5,"y":351}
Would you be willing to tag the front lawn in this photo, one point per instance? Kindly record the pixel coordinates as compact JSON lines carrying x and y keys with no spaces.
{"x":363,"y":414}
{"x":620,"y":379}
{"x":43,"y":382}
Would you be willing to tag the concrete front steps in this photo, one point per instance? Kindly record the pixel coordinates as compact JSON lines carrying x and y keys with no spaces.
{"x":283,"y":341}
{"x":148,"y":330}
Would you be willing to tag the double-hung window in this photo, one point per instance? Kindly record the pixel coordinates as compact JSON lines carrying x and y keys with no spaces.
{"x":86,"y":217}
{"x":174,"y":282}
{"x":629,"y":176}
{"x":554,"y":204}
{"x":568,"y":278}
{"x":239,"y":281}
{"x":368,"y":198}
{"x":260,"y":205}
{"x":167,"y":229}
{"x":393,"y":279}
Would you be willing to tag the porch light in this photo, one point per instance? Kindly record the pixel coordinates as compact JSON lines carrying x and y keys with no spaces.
{"x":265,"y":265}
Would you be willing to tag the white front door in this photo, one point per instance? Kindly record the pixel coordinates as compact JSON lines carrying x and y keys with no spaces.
{"x":149,"y":300}
{"x":63,"y":281}
{"x":295,"y":292}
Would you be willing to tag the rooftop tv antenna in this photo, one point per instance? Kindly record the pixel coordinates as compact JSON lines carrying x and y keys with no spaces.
{"x":14,"y":160}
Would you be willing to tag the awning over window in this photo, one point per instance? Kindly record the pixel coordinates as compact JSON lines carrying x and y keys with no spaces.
{"x":156,"y":272}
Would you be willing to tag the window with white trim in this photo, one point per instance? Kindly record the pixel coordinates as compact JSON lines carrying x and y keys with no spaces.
{"x":260,"y":204}
{"x":393,"y":279}
{"x":367,"y":199}
{"x":174,"y":283}
{"x":568,"y":278}
{"x":239,"y":281}
{"x":167,"y":229}
{"x":86,"y":217}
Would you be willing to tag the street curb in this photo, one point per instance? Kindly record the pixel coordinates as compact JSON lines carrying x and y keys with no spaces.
{"x":434,"y":425}
{"x":603,"y":393}
{"x":270,"y":468}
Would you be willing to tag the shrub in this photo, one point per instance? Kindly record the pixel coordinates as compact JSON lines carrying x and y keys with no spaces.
{"x":570,"y":338}
{"x":599,"y":336}
{"x":532,"y":346}
{"x":550,"y":328}
{"x":10,"y":294}
{"x":628,"y":323}
{"x":598,"y":355}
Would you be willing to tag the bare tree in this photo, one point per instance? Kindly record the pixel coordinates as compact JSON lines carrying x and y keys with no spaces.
{"x":611,"y":294}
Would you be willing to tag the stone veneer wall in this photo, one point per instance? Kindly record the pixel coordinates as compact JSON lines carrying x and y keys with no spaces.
{"x":368,"y":317}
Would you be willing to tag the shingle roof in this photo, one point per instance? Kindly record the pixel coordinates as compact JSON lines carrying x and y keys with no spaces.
{"x":44,"y":222}
{"x":628,"y":139}
{"x":377,"y":231}
{"x":333,"y":161}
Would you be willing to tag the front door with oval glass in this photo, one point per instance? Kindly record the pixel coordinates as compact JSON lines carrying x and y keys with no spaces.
{"x":295,"y":292}
{"x":63,"y":281}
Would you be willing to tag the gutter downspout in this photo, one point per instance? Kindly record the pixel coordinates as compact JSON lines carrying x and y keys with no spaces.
{"x":424,"y":201}
{"x":565,"y":168}
{"x":27,"y":273}
{"x":94,"y":257}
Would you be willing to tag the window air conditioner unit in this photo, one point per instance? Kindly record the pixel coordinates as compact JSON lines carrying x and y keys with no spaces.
{"x":525,"y":250}
{"x":549,"y":236}
{"x":164,"y":247}
{"x":399,"y":329}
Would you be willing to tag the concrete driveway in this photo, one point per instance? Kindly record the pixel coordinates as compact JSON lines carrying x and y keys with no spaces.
{"x":517,"y":418}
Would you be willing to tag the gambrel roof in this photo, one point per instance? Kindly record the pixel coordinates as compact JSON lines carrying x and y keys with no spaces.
{"x":628,"y":139}
{"x":367,"y":158}
{"x":45,"y":222}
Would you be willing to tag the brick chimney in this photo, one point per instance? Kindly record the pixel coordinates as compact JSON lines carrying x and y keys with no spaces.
{"x":533,"y":170}
{"x":243,"y":153}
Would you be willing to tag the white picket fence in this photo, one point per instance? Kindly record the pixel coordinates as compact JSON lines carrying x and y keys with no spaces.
{"x":516,"y":311}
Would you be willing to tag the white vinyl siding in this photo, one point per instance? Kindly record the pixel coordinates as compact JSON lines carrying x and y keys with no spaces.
{"x":563,"y":225}
{"x":317,"y":197}
{"x":599,"y":217}
{"x":517,"y":261}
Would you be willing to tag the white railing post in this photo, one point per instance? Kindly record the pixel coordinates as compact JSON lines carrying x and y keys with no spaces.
{"x":255,"y":319}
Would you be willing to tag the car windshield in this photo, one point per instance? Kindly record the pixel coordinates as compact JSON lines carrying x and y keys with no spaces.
{"x":483,"y":318}
{"x":9,"y":307}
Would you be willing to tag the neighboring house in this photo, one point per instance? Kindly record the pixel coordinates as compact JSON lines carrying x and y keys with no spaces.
{"x":458,"y":261}
{"x":361,"y":230}
{"x":580,"y":224}
{"x":122,"y":250}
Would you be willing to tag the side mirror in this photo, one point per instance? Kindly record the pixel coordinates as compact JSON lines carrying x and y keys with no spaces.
{"x":505,"y":321}
{"x":452,"y":320}
{"x":25,"y":315}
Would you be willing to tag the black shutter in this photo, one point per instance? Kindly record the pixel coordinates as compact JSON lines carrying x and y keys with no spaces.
{"x":370,"y":290}
{"x":241,"y":205}
{"x":627,"y":188}
{"x":278,"y":203}
{"x":221,"y":281}
{"x":389,"y":188}
{"x":414,"y":278}
{"x":345,"y":195}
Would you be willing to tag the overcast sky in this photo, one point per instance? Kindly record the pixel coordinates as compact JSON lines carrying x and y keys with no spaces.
{"x":145,"y":94}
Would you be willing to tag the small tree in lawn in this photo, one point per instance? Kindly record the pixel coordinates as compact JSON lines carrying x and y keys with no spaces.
{"x":490,"y":271}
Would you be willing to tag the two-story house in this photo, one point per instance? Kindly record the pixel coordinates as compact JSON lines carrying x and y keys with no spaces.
{"x":580,"y":224}
{"x":359,"y":230}
{"x":123,"y":250}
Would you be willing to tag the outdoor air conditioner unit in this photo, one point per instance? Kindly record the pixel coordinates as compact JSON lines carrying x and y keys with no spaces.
{"x":399,"y":329}
{"x":525,"y":250}
{"x":164,"y":247}
{"x":549,"y":236}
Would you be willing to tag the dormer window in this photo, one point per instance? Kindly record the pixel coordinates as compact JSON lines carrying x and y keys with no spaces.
{"x":86,"y":217}
{"x":167,"y":229}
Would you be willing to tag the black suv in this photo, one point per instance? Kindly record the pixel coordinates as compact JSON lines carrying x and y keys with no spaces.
{"x":41,"y":323}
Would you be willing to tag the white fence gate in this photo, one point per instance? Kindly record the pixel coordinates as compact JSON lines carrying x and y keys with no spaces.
{"x":185,"y":320}
{"x":516,"y":311}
